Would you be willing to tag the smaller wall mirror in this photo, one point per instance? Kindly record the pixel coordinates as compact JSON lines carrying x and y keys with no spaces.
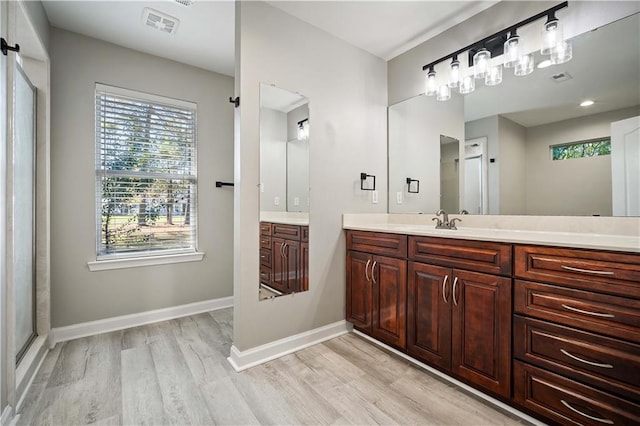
{"x":284,"y":192}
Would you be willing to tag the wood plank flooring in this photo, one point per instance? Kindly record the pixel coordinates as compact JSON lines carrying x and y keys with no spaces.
{"x":176,"y":373}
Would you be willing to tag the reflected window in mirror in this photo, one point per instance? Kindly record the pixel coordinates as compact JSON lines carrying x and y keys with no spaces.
{"x":284,"y":192}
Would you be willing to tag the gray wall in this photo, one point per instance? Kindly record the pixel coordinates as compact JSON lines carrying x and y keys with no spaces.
{"x":512,"y":138}
{"x":297,"y":162}
{"x":406,"y":78}
{"x":346,"y":88}
{"x":3,"y":230}
{"x":78,"y":295}
{"x":581,"y":186}
{"x":273,"y":159}
{"x":488,"y":127}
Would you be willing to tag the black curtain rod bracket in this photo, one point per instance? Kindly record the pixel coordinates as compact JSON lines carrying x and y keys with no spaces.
{"x":5,"y":48}
{"x":235,"y":101}
{"x":221,"y":184}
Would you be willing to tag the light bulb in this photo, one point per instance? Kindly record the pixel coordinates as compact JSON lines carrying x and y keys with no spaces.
{"x":563,"y":52}
{"x":300,"y":131}
{"x":494,"y":76}
{"x":481,"y":63}
{"x":524,"y":65}
{"x":455,"y":73}
{"x":430,"y":87}
{"x":551,"y":35}
{"x":512,"y":51}
{"x":467,"y":85}
{"x":444,"y":93}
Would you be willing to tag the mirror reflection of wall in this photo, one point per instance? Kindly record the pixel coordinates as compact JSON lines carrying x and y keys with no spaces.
{"x":449,"y":174}
{"x":525,"y":119}
{"x":284,"y":192}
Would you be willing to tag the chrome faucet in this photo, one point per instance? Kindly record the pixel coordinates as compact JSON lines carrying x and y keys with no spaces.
{"x":444,"y":223}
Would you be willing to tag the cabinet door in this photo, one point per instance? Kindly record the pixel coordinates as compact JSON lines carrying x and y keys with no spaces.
{"x":279,"y":265}
{"x":481,"y":330}
{"x":429,"y":314}
{"x":389,"y":277}
{"x":359,"y":290}
{"x":304,"y":265}
{"x":293,"y":269}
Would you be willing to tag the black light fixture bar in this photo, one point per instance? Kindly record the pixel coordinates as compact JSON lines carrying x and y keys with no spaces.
{"x":301,"y":122}
{"x":500,"y":34}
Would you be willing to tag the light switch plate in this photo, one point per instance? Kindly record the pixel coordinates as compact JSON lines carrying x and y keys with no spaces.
{"x":374,"y":197}
{"x":398,"y":197}
{"x":296,"y":201}
{"x":276,"y":201}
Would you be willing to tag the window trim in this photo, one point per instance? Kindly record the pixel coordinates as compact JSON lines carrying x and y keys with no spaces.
{"x":145,"y":258}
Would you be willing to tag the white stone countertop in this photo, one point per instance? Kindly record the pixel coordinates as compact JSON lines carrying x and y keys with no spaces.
{"x":286,"y":218}
{"x":587,"y":240}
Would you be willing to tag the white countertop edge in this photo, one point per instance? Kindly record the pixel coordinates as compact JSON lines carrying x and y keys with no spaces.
{"x":284,"y":221}
{"x":561,"y":239}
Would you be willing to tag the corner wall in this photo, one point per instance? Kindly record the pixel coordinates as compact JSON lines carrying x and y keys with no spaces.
{"x":346,"y":88}
{"x":77,"y":295}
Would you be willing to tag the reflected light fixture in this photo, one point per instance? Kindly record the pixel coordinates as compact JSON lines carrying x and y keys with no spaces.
{"x":303,"y":129}
{"x":430,"y":86}
{"x":507,"y":43}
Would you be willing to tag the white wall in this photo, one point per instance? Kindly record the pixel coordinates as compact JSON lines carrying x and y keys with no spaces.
{"x":512,"y":138}
{"x":488,"y":127}
{"x":273,"y":159}
{"x":346,"y":88}
{"x":297,"y":162}
{"x":78,"y":295}
{"x":415,"y":127}
{"x":581,"y":186}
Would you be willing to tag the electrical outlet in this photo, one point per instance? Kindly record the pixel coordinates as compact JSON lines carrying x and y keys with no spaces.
{"x":374,"y":197}
{"x":296,"y":201}
{"x":276,"y":201}
{"x":398,"y":197}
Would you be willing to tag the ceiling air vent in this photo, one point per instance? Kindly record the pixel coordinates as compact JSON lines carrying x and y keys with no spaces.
{"x":184,"y":2}
{"x":160,"y":21}
{"x":560,"y":77}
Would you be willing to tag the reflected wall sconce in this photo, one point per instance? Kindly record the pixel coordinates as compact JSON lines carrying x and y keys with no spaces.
{"x":303,"y":129}
{"x":417,"y":186}
{"x":364,"y":179}
{"x":507,"y":43}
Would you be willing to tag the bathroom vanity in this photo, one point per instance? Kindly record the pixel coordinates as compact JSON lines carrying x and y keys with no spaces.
{"x":548,"y":322}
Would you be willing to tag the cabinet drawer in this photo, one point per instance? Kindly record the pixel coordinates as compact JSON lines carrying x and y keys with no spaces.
{"x":480,"y":256}
{"x":605,"y":272}
{"x":265,"y":275}
{"x":609,"y":315}
{"x":265,"y":258}
{"x":305,"y":234}
{"x":265,"y":242}
{"x":265,"y":228}
{"x":288,"y":232}
{"x":609,"y":364}
{"x":568,"y":402}
{"x":393,"y":245}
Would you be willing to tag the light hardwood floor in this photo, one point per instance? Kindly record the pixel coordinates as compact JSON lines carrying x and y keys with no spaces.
{"x":176,"y":372}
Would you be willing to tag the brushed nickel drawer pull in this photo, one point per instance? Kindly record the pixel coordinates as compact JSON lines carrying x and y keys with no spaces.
{"x":595,"y":314}
{"x":586,"y":271}
{"x":444,"y":286}
{"x":595,"y":364}
{"x":597,"y":419}
{"x":366,"y":270}
{"x":453,"y":291}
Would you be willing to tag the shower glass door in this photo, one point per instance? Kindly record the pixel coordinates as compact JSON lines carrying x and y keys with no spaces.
{"x":24,"y":212}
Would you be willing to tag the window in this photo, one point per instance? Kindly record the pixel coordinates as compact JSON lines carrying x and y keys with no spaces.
{"x":145,"y":174}
{"x":590,"y":148}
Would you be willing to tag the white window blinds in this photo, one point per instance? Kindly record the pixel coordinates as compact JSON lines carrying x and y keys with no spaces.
{"x":145,"y":174}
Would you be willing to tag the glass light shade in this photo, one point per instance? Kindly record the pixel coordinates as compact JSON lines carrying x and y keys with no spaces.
{"x":300,"y":132}
{"x":455,"y":74}
{"x":467,"y":84}
{"x":494,"y":76}
{"x":430,"y":87}
{"x":512,"y":51}
{"x":444,"y":93}
{"x":551,"y":36}
{"x":481,"y":63}
{"x":524,"y":66}
{"x":563,"y":52}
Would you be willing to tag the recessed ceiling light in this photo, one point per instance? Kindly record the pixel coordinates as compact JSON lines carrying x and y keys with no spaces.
{"x":586,"y":103}
{"x":544,"y":64}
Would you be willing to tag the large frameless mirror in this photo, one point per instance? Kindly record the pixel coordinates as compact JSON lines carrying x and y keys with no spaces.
{"x":529,"y":146}
{"x":284,"y":192}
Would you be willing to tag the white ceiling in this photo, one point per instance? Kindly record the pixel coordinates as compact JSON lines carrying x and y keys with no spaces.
{"x":278,"y":99}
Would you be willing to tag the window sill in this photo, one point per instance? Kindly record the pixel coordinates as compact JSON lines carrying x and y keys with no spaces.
{"x":135,"y":262}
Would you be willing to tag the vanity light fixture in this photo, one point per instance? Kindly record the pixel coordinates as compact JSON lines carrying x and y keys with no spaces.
{"x":303,"y":129}
{"x":507,"y":43}
{"x":586,"y":103}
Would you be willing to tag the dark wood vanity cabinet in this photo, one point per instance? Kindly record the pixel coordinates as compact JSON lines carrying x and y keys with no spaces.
{"x":577,"y":335}
{"x":460,"y":320}
{"x":377,"y":288}
{"x":284,"y":257}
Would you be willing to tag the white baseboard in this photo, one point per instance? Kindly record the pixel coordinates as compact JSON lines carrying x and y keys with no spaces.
{"x":457,"y":383}
{"x":241,"y":360}
{"x":62,"y":334}
{"x":6,"y":416}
